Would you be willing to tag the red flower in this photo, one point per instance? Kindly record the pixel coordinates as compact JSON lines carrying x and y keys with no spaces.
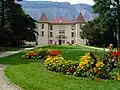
{"x":32,"y":54}
{"x":115,"y":53}
{"x":71,"y":69}
{"x":54,"y":53}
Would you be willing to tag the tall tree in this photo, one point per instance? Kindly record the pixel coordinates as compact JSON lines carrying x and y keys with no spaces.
{"x":105,"y":23}
{"x":18,"y":25}
{"x":112,"y":9}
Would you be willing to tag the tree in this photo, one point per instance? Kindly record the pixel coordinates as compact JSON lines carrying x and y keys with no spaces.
{"x":18,"y":25}
{"x":93,"y":33}
{"x":112,"y":9}
{"x":105,"y":23}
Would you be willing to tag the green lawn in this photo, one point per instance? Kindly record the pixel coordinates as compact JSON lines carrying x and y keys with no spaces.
{"x":73,"y":52}
{"x":32,"y":75}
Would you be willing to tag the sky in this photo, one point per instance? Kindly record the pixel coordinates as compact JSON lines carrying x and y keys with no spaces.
{"x":70,"y":1}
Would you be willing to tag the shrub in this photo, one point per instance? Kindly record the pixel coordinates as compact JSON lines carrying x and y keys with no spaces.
{"x":89,"y":66}
{"x":58,"y":64}
{"x":115,"y":53}
{"x":36,"y":54}
{"x":42,"y":53}
{"x":112,"y":65}
{"x":30,"y":55}
{"x":85,"y":67}
{"x":55,"y":63}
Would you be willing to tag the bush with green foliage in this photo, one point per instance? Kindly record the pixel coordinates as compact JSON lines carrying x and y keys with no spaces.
{"x":38,"y":53}
{"x":58,"y":64}
{"x":88,"y":66}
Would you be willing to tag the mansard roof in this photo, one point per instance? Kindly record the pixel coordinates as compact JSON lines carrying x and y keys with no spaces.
{"x":80,"y":19}
{"x":61,"y":21}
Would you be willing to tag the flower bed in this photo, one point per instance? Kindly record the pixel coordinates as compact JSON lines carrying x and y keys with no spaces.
{"x":58,"y":64}
{"x":36,"y":54}
{"x":88,"y":66}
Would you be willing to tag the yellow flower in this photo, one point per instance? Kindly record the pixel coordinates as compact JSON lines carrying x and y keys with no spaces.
{"x":118,"y":77}
{"x":80,"y":65}
{"x":97,"y":65}
{"x":102,"y":64}
{"x":95,"y":69}
{"x":86,"y":61}
{"x":87,"y":54}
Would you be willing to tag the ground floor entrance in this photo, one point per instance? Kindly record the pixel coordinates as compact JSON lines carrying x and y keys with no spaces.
{"x":60,"y":42}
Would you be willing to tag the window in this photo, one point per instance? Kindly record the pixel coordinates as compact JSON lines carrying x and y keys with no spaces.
{"x":80,"y":33}
{"x":51,"y":41}
{"x":61,"y":31}
{"x":42,"y":33}
{"x":72,"y":41}
{"x":72,"y":34}
{"x":60,"y":37}
{"x":72,"y":27}
{"x":42,"y":26}
{"x":51,"y":34}
{"x":63,"y":36}
{"x":80,"y":26}
{"x":63,"y":41}
{"x":51,"y":27}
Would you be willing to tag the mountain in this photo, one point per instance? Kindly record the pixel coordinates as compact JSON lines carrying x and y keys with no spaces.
{"x":57,"y":9}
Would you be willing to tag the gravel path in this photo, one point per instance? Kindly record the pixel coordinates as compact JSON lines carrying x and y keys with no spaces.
{"x":7,"y":53}
{"x":5,"y":84}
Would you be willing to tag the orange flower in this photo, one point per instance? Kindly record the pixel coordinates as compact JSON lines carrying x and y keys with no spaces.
{"x":54,"y":53}
{"x":32,"y":54}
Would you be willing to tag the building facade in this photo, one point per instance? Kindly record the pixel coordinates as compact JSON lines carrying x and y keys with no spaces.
{"x":60,"y":31}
